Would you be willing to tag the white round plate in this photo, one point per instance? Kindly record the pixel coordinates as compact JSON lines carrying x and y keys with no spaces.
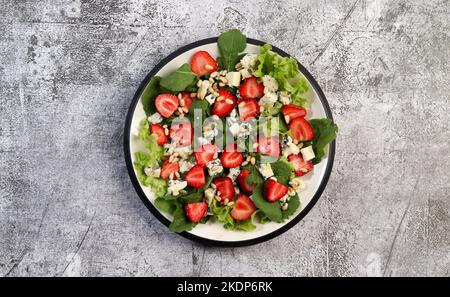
{"x":212,"y":232}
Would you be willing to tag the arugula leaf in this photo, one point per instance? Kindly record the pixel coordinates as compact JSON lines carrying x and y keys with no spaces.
{"x":324,"y":133}
{"x":149,"y":94}
{"x":230,"y":44}
{"x":282,"y":170}
{"x":165,"y":205}
{"x":271,"y":210}
{"x":179,"y":80}
{"x":180,"y":221}
{"x":293,"y":205}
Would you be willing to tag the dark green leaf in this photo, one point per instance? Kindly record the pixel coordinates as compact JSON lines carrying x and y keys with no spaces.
{"x":270,"y":210}
{"x":192,"y":197}
{"x":179,"y":80}
{"x":180,"y":221}
{"x":293,"y":205}
{"x":165,"y":205}
{"x":232,"y":41}
{"x":254,"y":177}
{"x":282,"y":170}
{"x":149,"y":94}
{"x":324,"y":133}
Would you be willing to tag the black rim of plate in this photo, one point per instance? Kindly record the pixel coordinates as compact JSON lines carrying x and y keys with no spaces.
{"x":155,"y":211}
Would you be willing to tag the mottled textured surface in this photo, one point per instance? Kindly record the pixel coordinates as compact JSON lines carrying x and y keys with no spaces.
{"x":68,"y":70}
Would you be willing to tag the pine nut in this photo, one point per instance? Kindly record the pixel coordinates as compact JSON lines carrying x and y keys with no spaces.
{"x":220,"y":98}
{"x":223,"y":79}
{"x":229,"y":101}
{"x":226,"y":201}
{"x":253,"y":160}
{"x":230,"y":203}
{"x":182,"y":103}
{"x":213,"y":186}
{"x":238,"y":66}
{"x":221,"y":84}
{"x":177,"y":174}
{"x":295,"y":141}
{"x":166,"y":131}
{"x":287,"y":119}
{"x":179,"y":96}
{"x":199,"y":83}
{"x":193,"y":95}
{"x":185,"y":109}
{"x":209,"y":67}
{"x":261,"y":109}
{"x":171,"y":175}
{"x":214,"y":74}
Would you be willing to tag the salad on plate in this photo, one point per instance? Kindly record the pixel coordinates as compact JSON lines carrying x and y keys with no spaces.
{"x":228,"y":139}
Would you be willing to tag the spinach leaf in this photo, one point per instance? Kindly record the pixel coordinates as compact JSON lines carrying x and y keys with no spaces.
{"x":231,"y":44}
{"x":254,"y":177}
{"x":293,"y":205}
{"x":271,"y":210}
{"x":282,"y":170}
{"x":324,"y":133}
{"x":201,"y":105}
{"x":149,"y":94}
{"x":179,"y":80}
{"x":192,"y":197}
{"x":180,"y":221}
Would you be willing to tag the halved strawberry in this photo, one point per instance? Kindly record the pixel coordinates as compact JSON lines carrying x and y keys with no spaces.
{"x":181,"y":133}
{"x":159,"y":131}
{"x":301,"y":167}
{"x":196,"y":211}
{"x":225,"y":188}
{"x":224,"y":107}
{"x":301,"y":130}
{"x":251,"y":88}
{"x":202,"y":63}
{"x":274,"y":191}
{"x":186,"y":96}
{"x":195,"y":177}
{"x":166,"y":104}
{"x":293,"y":111}
{"x":206,"y":154}
{"x":243,"y":208}
{"x":269,"y":146}
{"x":248,"y":109}
{"x":231,"y":157}
{"x":246,"y":187}
{"x":168,"y":168}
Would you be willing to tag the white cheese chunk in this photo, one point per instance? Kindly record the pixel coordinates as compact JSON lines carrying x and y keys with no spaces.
{"x":245,"y":73}
{"x":284,"y":97}
{"x":290,"y":149}
{"x":297,"y":184}
{"x":203,"y":89}
{"x":149,"y":171}
{"x":155,"y":118}
{"x":270,"y":84}
{"x":234,"y":172}
{"x":249,"y":61}
{"x":308,"y":153}
{"x":185,"y":165}
{"x":268,"y":100}
{"x":234,"y":79}
{"x":235,"y":128}
{"x":209,"y":194}
{"x":211,"y":98}
{"x":175,"y":186}
{"x":214,"y":167}
{"x":265,"y":170}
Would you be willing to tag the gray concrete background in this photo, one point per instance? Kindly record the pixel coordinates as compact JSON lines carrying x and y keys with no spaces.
{"x":68,"y":70}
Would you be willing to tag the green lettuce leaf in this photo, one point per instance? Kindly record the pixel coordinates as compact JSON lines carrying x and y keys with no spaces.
{"x":167,"y":206}
{"x":285,"y":71}
{"x":324,"y":133}
{"x":223,"y":216}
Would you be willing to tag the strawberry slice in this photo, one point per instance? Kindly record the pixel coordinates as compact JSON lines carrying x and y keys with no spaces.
{"x":243,"y":208}
{"x":224,"y":107}
{"x":293,"y":111}
{"x":186,"y":96}
{"x":159,"y":131}
{"x":274,"y":191}
{"x":196,"y":211}
{"x":202,"y":63}
{"x":225,"y":188}
{"x":206,"y":154}
{"x":247,"y":188}
{"x":251,"y":89}
{"x":231,"y":157}
{"x":269,"y":146}
{"x":301,"y":130}
{"x":166,"y":104}
{"x":301,"y":167}
{"x":248,"y":109}
{"x":195,"y":177}
{"x":181,"y":133}
{"x":169,"y":168}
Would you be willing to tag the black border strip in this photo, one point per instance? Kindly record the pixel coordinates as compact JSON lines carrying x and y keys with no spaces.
{"x":156,"y":212}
